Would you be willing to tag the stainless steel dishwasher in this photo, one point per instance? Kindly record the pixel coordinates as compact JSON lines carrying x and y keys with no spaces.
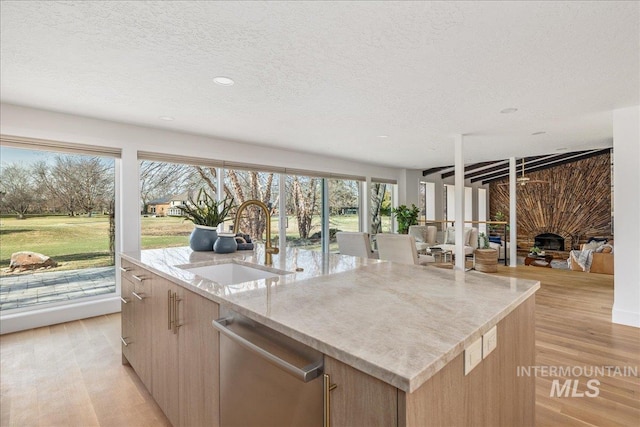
{"x":267,"y":378}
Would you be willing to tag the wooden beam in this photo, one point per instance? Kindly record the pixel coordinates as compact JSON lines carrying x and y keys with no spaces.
{"x":538,"y":166}
{"x":434,"y":170}
{"x":468,"y":168}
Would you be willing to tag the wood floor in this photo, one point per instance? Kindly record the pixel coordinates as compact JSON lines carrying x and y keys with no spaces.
{"x":574,"y":329}
{"x":71,"y":374}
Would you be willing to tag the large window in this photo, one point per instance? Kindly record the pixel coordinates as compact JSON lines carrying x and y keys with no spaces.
{"x":482,"y":209}
{"x":380,"y":211}
{"x":304,"y":211}
{"x":164,"y":187}
{"x":427,"y":201}
{"x":57,"y":227}
{"x":344,"y":208}
{"x":451,"y":203}
{"x":245,"y":185}
{"x":167,"y":184}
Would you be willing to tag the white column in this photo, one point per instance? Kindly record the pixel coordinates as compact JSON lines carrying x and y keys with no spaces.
{"x":129,"y":220}
{"x":513,"y":217}
{"x":220,"y":194}
{"x":365,"y":215}
{"x":282,"y":208}
{"x":325,"y":215}
{"x":626,"y":208}
{"x":459,"y":196}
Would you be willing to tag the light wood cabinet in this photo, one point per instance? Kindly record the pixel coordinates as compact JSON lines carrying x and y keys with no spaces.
{"x":491,"y":394}
{"x":179,"y":364}
{"x":359,"y":399}
{"x":199,"y":361}
{"x":164,"y":354}
{"x":136,"y":336}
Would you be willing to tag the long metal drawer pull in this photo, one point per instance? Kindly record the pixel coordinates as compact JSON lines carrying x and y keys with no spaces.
{"x":140,"y":297}
{"x":169,"y":309}
{"x":124,"y":269}
{"x":138,"y":278}
{"x":305,"y":374}
{"x":327,"y":388}
{"x":124,"y":342}
{"x":176,"y":325}
{"x":124,"y":300}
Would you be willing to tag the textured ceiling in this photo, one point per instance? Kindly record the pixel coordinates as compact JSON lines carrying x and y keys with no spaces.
{"x":333,"y":76}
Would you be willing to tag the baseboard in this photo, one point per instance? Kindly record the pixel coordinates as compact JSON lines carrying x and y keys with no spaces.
{"x":59,"y":314}
{"x":623,"y":317}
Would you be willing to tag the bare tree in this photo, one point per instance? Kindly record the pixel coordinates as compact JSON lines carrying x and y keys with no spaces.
{"x":305,"y":200}
{"x":251,"y":185}
{"x":377,"y":197}
{"x":160,"y":179}
{"x":78,"y":183}
{"x":18,"y":190}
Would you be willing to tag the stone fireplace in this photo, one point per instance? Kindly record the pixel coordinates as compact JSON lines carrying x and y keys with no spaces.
{"x":549,"y":242}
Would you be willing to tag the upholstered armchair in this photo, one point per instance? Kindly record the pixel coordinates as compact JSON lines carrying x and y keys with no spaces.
{"x":425,"y":236}
{"x":600,"y":258}
{"x":470,"y":240}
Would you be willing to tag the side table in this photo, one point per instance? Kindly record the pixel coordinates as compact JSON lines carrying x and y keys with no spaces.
{"x":539,"y":261}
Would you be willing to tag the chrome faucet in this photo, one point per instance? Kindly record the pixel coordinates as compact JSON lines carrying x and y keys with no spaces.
{"x":268,"y":249}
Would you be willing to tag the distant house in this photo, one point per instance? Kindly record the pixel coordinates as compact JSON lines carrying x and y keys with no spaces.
{"x":176,"y":201}
{"x":159,"y":207}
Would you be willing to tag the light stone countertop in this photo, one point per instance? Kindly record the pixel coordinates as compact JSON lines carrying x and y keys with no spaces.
{"x":398,"y":323}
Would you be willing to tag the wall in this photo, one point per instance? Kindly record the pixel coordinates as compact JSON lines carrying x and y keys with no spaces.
{"x":626,"y":164}
{"x":575,"y":204}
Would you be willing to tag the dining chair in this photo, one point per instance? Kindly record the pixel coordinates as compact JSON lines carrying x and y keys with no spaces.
{"x":400,"y":248}
{"x":355,"y":244}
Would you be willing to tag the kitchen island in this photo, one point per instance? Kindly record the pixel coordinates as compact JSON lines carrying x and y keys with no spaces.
{"x":394,"y":336}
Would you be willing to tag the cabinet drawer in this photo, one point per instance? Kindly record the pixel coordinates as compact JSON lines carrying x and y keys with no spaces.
{"x":132,"y":272}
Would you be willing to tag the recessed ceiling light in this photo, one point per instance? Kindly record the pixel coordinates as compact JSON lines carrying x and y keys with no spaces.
{"x":166,"y":118}
{"x":223,"y":81}
{"x":538,"y":133}
{"x":508,"y":110}
{"x":383,"y":136}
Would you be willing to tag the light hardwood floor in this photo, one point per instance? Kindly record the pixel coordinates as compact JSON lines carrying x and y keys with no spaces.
{"x":71,"y":374}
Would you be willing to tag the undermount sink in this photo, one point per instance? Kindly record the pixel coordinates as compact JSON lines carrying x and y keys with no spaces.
{"x":232,"y":273}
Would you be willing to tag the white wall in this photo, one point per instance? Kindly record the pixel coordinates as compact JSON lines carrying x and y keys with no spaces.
{"x":409,"y":187}
{"x":626,"y":206}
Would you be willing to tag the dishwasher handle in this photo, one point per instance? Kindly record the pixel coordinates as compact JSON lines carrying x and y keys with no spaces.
{"x":305,"y":374}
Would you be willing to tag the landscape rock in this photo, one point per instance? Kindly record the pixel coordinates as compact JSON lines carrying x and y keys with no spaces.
{"x":30,"y":261}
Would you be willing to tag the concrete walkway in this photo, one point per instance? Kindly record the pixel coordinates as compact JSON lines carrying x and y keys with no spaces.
{"x":29,"y":289}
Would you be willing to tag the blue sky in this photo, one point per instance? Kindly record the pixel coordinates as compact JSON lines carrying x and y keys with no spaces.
{"x":16,"y":155}
{"x":10,"y":155}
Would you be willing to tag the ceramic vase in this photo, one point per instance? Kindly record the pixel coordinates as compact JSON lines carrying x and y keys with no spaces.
{"x":203,"y":238}
{"x":225,"y":244}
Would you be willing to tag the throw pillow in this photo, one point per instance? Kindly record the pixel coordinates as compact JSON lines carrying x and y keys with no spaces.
{"x":450,"y":236}
{"x":495,"y":239}
{"x":593,"y":245}
{"x":605,"y":249}
{"x":467,"y":236}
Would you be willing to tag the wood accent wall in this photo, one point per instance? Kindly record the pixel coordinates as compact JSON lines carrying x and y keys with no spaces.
{"x":575,"y":204}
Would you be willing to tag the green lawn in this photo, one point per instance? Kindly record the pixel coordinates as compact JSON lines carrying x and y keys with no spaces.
{"x":81,"y":242}
{"x":74,"y":242}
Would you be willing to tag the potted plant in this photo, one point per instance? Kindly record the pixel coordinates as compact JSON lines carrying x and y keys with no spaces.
{"x":534,"y":251}
{"x":206,"y":213}
{"x":485,"y":257}
{"x":406,"y":217}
